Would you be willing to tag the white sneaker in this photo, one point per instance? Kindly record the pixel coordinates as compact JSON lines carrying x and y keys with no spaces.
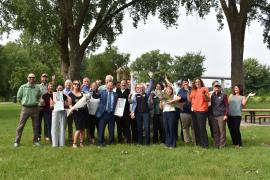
{"x":37,"y":144}
{"x":16,"y":145}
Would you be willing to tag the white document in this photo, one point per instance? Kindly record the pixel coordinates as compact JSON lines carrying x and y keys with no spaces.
{"x":92,"y":105}
{"x":58,"y":101}
{"x":120,"y":107}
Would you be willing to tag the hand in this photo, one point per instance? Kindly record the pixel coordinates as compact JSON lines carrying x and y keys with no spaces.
{"x":251,"y":94}
{"x":132,"y":115}
{"x":53,"y":77}
{"x":118,"y":69}
{"x":225,"y":118}
{"x":170,"y":101}
{"x":166,"y":78}
{"x":150,"y":74}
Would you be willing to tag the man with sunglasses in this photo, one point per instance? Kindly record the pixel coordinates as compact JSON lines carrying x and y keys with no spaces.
{"x":28,"y":95}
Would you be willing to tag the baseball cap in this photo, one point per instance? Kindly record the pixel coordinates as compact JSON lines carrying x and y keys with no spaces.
{"x":217,"y":84}
{"x":44,"y":75}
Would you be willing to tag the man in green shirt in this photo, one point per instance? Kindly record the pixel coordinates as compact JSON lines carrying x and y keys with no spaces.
{"x":28,"y":95}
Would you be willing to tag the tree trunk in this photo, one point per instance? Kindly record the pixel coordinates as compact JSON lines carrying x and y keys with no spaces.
{"x":76,"y":57}
{"x":64,"y":54}
{"x":237,"y":49}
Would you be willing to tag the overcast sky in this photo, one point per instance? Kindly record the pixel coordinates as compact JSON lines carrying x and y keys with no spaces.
{"x":192,"y":35}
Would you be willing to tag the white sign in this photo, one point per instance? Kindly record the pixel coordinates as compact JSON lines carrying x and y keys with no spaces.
{"x":120,"y":107}
{"x":58,"y":101}
{"x":92,"y":105}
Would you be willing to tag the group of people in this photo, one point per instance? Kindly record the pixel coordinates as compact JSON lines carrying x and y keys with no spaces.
{"x":152,"y":107}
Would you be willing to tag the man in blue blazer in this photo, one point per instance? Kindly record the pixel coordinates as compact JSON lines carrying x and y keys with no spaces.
{"x":105,"y":113}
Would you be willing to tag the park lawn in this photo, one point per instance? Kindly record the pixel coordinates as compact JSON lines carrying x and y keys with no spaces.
{"x":140,"y":162}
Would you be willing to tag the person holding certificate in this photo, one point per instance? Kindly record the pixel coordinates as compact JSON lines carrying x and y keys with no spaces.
{"x":123,"y":118}
{"x":59,"y":117}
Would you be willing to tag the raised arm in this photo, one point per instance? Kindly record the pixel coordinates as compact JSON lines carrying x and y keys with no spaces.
{"x":151,"y":84}
{"x":132,"y":83}
{"x":245,"y":99}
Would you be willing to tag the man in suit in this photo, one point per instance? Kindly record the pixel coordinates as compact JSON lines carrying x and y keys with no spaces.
{"x":123,"y":123}
{"x":105,"y":113}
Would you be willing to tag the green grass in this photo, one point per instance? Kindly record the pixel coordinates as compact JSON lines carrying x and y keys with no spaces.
{"x":153,"y":162}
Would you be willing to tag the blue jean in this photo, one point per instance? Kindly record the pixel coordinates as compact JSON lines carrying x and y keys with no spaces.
{"x":106,"y":118}
{"x":169,"y":119}
{"x":142,"y":119}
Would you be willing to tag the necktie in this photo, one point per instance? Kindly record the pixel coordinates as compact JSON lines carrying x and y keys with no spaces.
{"x":110,"y":102}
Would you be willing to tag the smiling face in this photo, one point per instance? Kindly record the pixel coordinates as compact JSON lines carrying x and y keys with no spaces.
{"x":110,"y":86}
{"x":169,"y":90}
{"x":31,"y":78}
{"x":198,"y":83}
{"x":76,"y":85}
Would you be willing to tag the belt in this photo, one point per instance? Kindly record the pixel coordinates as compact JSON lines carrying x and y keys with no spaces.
{"x":30,"y":106}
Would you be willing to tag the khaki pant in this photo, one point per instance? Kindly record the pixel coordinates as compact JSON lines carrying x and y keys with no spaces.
{"x":186,"y":119}
{"x":219,"y":129}
{"x":27,"y":112}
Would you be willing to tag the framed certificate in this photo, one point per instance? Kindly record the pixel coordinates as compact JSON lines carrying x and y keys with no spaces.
{"x":120,"y":107}
{"x":58,"y":101}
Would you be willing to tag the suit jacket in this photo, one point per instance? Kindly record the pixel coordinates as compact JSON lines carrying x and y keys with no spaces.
{"x":103,"y":103}
{"x":124,"y":95}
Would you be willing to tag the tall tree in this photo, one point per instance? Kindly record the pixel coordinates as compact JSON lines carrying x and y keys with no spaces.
{"x":239,"y":14}
{"x":77,"y":26}
{"x":154,"y":61}
{"x":257,"y":76}
{"x":188,"y":66}
{"x":100,"y":65}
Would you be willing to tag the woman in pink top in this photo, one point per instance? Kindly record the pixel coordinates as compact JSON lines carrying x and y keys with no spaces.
{"x":199,"y":98}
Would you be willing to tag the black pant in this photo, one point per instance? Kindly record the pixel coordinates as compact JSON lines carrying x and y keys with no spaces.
{"x":234,"y":128}
{"x":93,"y":124}
{"x":41,"y":115}
{"x":123,"y":128}
{"x":48,"y":122}
{"x":134,"y":132}
{"x":70,"y":128}
{"x":158,"y":128}
{"x":199,"y":125}
{"x":210,"y":123}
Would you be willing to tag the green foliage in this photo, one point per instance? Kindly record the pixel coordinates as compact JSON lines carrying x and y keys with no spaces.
{"x":154,"y":61}
{"x":188,"y":66}
{"x":257,"y":76}
{"x":100,"y":65}
{"x":18,"y":60}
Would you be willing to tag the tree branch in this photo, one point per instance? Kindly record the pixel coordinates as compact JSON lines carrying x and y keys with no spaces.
{"x":233,"y":7}
{"x":101,"y":21}
{"x":245,"y":5}
{"x":224,"y":7}
{"x":83,"y":12}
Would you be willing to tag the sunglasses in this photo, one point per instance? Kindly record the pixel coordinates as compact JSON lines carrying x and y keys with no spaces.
{"x":76,"y":84}
{"x":31,"y":77}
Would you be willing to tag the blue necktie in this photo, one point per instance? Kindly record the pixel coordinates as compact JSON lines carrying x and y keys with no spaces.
{"x":110,"y":102}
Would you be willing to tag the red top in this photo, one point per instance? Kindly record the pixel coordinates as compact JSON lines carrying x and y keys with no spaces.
{"x":198,"y":100}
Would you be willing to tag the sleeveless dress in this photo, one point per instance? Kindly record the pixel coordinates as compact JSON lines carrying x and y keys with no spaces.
{"x":80,"y":116}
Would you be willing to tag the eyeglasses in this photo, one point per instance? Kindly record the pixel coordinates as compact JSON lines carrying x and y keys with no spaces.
{"x":76,"y":84}
{"x":31,"y":77}
{"x":45,"y":76}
